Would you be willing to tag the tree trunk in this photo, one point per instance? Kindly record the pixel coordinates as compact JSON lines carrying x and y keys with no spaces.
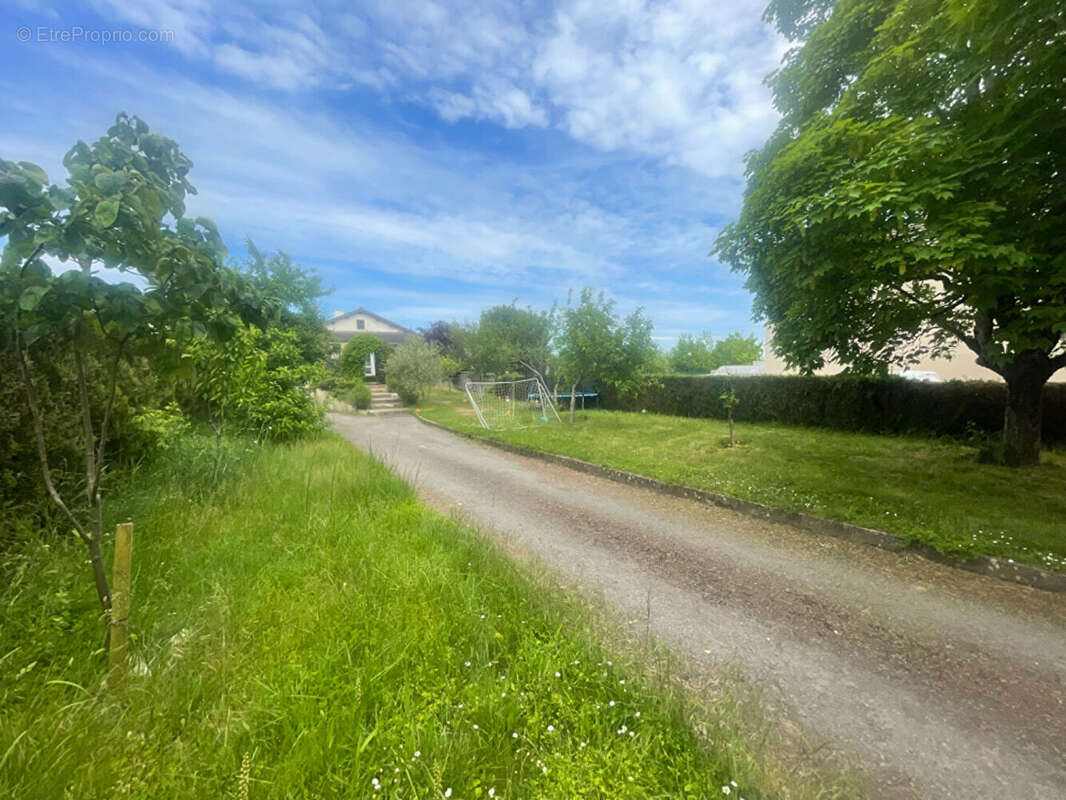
{"x":573,"y":402}
{"x":732,"y":438}
{"x":1023,"y":418}
{"x":96,"y":557}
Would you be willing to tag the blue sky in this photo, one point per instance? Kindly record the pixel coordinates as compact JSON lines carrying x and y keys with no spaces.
{"x":432,"y":158}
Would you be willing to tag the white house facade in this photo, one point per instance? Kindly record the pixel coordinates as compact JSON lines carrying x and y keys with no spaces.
{"x":345,"y":325}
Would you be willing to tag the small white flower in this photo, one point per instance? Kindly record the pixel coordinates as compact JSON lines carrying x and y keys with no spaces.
{"x":726,"y":790}
{"x":448,"y":792}
{"x":622,"y":682}
{"x":514,"y":735}
{"x":637,"y":714}
{"x":558,"y":675}
{"x":467,"y":664}
{"x":611,"y":704}
{"x":418,"y":753}
{"x":475,"y":726}
{"x":551,"y":728}
{"x":492,"y":792}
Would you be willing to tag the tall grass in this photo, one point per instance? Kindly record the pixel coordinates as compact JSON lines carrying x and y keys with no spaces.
{"x":303,"y":628}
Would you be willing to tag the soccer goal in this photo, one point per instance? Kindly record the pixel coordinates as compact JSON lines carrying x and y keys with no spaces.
{"x":511,"y":404}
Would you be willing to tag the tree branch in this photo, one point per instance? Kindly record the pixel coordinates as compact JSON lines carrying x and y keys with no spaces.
{"x":86,"y":415}
{"x":38,"y":433}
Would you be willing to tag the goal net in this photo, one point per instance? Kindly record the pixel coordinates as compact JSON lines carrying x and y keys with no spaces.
{"x":511,"y":404}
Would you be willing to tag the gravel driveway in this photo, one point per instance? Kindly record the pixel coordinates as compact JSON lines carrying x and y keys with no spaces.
{"x":943,"y":684}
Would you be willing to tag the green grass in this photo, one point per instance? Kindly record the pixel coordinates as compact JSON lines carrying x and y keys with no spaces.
{"x":303,"y":628}
{"x":928,"y":490}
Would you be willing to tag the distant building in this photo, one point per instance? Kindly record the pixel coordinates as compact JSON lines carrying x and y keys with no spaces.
{"x":755,"y":368}
{"x":345,"y":325}
{"x":961,"y":366}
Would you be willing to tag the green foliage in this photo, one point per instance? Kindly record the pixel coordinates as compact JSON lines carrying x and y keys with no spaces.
{"x":295,"y":291}
{"x":158,"y":430}
{"x":415,"y":367}
{"x":509,"y":339}
{"x":703,"y":353}
{"x":912,"y":193}
{"x":121,"y":194}
{"x":736,"y":349}
{"x":449,"y":366}
{"x":692,"y":353}
{"x":597,"y":347}
{"x":928,"y":490}
{"x":352,"y":362}
{"x":259,"y":383}
{"x":355,"y":393}
{"x":875,"y":405}
{"x":360,"y":634}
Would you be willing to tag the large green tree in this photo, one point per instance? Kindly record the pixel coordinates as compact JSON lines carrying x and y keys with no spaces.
{"x":512,"y":339}
{"x":596,"y":346}
{"x":121,"y":194}
{"x":914,"y":193}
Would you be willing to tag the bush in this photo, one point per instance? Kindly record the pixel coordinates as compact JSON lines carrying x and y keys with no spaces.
{"x":414,"y":368}
{"x":355,"y":393}
{"x":157,"y":430}
{"x":354,"y":354}
{"x":873,"y":405}
{"x":258,"y":384}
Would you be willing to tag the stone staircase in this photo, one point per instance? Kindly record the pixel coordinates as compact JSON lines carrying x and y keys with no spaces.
{"x":382,"y":401}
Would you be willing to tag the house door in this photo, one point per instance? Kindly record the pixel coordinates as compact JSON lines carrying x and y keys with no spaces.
{"x":370,"y":368}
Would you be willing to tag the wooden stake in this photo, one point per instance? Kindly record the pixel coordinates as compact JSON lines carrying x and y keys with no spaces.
{"x":120,"y":604}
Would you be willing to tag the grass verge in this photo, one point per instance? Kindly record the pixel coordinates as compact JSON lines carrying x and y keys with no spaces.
{"x":927,"y":490}
{"x":303,"y":628}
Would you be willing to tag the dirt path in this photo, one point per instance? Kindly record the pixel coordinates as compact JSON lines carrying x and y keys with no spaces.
{"x":943,"y":683}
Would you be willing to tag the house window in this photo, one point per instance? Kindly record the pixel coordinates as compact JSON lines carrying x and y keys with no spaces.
{"x":360,"y":324}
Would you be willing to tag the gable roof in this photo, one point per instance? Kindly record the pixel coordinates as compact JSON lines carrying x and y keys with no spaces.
{"x":364,"y":313}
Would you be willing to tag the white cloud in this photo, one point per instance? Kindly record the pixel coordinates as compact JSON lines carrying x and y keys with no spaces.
{"x":677,"y":80}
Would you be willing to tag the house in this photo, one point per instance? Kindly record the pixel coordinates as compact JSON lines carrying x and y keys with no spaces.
{"x":960,"y":366}
{"x":345,"y":325}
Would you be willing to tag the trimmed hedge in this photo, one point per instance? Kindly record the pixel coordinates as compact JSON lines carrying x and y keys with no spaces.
{"x":873,"y":405}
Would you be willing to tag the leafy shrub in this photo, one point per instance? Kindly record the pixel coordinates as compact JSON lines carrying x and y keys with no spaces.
{"x":875,"y":405}
{"x":157,"y":430}
{"x":259,"y":383}
{"x":355,"y":393}
{"x":414,"y":368}
{"x":355,"y":353}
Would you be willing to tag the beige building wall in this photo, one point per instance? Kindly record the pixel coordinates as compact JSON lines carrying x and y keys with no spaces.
{"x":349,"y":323}
{"x":962,"y":366}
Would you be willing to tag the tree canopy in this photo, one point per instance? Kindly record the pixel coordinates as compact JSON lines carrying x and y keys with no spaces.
{"x":913,"y":193}
{"x":596,"y":346}
{"x":704,"y":353}
{"x":512,"y":339}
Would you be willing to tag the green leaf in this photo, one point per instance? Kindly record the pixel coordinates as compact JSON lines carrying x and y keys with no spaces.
{"x":109,"y":182}
{"x":107,"y":212}
{"x":34,"y":172}
{"x":31,"y":297}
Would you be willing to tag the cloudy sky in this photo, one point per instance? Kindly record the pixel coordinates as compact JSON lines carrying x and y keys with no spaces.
{"x":431,"y":158}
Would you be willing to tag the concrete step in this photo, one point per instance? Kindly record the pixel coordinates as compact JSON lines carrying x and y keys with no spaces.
{"x":383,"y":411}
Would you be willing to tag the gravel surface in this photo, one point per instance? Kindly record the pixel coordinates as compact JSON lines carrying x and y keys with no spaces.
{"x":941,"y":683}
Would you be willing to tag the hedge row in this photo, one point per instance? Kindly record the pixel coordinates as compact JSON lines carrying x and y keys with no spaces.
{"x":875,"y":405}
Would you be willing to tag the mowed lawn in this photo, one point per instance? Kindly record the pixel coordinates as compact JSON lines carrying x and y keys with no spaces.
{"x":304,"y":628}
{"x":929,"y":490}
